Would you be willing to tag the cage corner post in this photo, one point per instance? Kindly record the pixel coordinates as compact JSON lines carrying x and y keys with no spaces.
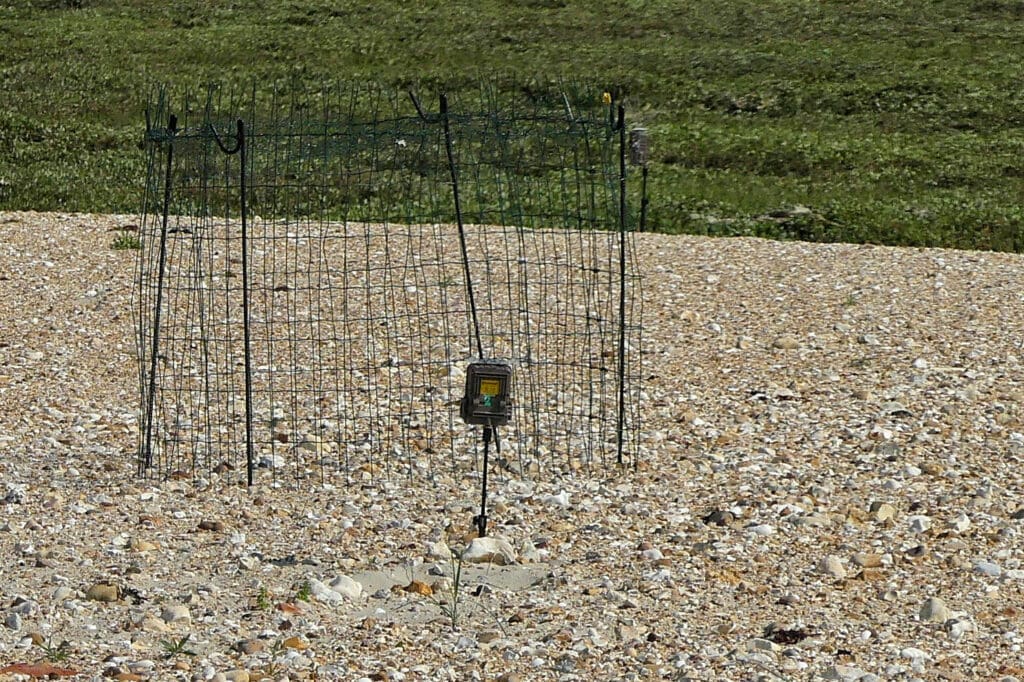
{"x":623,"y":229}
{"x":150,"y":385}
{"x":246,"y":290}
{"x":241,"y":149}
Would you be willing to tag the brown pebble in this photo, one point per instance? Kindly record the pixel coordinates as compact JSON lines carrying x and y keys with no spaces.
{"x":215,"y":526}
{"x":419,"y":587}
{"x":250,"y":646}
{"x":103,"y":592}
{"x":295,"y":643}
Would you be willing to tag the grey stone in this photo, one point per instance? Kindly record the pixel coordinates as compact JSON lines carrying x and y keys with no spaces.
{"x":176,"y":613}
{"x":845,"y":673}
{"x":934,"y":611}
{"x":831,"y":565}
{"x":13,"y":621}
{"x":988,"y":568}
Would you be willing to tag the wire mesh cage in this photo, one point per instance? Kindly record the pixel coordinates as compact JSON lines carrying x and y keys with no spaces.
{"x":319,"y":267}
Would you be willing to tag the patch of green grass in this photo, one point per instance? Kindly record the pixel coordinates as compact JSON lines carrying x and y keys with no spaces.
{"x":894,"y":122}
{"x":126,"y":241}
{"x":303,"y":593}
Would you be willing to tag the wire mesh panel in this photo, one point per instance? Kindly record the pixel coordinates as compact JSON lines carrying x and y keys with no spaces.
{"x":318,"y":269}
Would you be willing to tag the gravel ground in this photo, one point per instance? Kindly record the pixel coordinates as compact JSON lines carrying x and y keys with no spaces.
{"x":830,"y":488}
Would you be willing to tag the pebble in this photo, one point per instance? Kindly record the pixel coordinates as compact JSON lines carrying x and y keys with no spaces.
{"x":882,"y":512}
{"x":321,"y":592}
{"x":653,"y":554}
{"x":719,"y":517}
{"x":960,"y":523}
{"x":489,"y":550}
{"x":845,"y":673}
{"x":16,"y":493}
{"x":528,"y":553}
{"x":13,"y":621}
{"x":818,"y":445}
{"x":175,"y":613}
{"x":831,"y":565}
{"x":914,"y":654}
{"x":958,"y":627}
{"x":559,"y":500}
{"x":786,"y":342}
{"x":867,"y":559}
{"x":347,"y":587}
{"x":988,"y":568}
{"x":919,"y":523}
{"x":934,"y":611}
{"x":439,"y":550}
{"x":103,"y":592}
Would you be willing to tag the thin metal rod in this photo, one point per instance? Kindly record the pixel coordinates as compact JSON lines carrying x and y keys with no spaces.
{"x":458,"y":218}
{"x":644,"y":200}
{"x":240,"y":149}
{"x":147,"y":453}
{"x":246,"y":328}
{"x":481,"y":519}
{"x":620,"y":427}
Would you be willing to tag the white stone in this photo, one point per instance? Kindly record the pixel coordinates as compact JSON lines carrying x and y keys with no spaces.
{"x":249,"y":562}
{"x":559,"y":500}
{"x":919,"y":523}
{"x":914,"y":654}
{"x":347,"y":587}
{"x":321,"y":592}
{"x":528,"y":553}
{"x":959,"y":627}
{"x":960,"y":523}
{"x":489,"y":550}
{"x":439,"y":550}
{"x":652,"y":554}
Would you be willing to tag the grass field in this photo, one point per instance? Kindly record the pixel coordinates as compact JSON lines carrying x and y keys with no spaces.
{"x":892,"y":121}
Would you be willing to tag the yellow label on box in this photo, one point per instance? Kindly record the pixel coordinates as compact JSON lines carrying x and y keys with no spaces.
{"x":490,"y":386}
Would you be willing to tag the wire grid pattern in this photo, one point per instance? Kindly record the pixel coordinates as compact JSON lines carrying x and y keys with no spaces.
{"x":360,"y":318}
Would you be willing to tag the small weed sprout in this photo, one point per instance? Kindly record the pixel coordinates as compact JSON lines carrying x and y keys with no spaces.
{"x":56,"y":653}
{"x":263,"y":598}
{"x":303,"y":593}
{"x":174,"y":648}
{"x":276,"y":650}
{"x":450,"y":603}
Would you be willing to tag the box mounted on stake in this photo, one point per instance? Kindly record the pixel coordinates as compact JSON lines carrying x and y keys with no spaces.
{"x":488,"y":402}
{"x":488,"y":397}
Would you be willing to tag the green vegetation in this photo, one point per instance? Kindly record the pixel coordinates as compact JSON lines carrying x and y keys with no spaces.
{"x":176,"y":647}
{"x":56,"y":653}
{"x":303,"y":593}
{"x":855,"y":120}
{"x":126,"y":240}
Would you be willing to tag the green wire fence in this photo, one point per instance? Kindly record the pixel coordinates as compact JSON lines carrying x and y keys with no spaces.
{"x":318,"y":268}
